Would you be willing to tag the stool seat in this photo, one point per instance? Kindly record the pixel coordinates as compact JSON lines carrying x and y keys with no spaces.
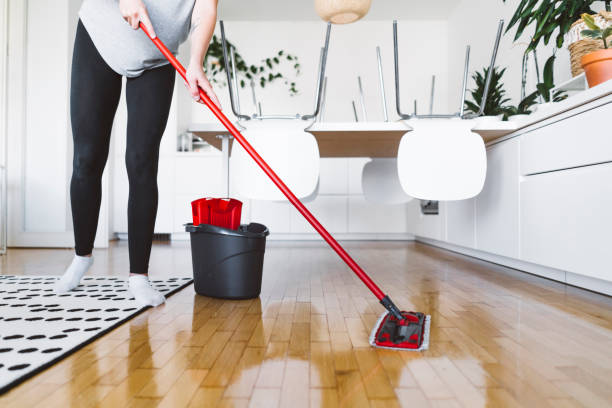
{"x":442,"y":159}
{"x":290,"y":151}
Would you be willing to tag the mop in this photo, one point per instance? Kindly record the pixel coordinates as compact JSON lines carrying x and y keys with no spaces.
{"x":395,"y":329}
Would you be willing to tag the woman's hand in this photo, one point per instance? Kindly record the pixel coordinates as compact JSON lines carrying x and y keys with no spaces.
{"x":134,"y":12}
{"x":196,"y":77}
{"x":203,"y":19}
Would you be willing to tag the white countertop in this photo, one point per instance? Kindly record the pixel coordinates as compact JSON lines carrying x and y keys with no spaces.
{"x":495,"y":130}
{"x":377,"y":132}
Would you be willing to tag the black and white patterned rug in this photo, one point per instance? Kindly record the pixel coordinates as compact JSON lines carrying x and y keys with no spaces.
{"x":39,"y":327}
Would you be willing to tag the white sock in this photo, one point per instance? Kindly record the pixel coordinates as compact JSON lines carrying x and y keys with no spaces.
{"x":72,"y":277}
{"x":143,"y":292}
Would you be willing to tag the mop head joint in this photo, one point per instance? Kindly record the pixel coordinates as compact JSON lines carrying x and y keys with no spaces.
{"x":411,"y":333}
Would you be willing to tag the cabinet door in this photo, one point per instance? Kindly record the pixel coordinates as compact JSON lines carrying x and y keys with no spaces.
{"x":460,"y":222}
{"x":330,"y":210}
{"x":497,"y":206}
{"x":579,"y":140}
{"x":368,"y":217}
{"x":566,"y":220}
{"x":276,"y":215}
{"x":333,"y":176}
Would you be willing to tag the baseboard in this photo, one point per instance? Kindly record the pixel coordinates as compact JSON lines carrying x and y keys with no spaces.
{"x":569,"y":278}
{"x":182,"y":236}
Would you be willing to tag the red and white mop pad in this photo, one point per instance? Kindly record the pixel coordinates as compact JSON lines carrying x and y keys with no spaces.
{"x":411,"y":334}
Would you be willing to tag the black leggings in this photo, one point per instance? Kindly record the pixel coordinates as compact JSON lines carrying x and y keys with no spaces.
{"x":94,"y":95}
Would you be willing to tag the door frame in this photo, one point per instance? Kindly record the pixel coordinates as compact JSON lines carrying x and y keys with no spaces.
{"x":4,"y":30}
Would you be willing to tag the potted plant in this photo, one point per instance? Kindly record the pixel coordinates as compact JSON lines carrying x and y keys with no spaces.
{"x":263,"y":74}
{"x":556,"y":17}
{"x":547,"y":16}
{"x":495,"y":106}
{"x":545,"y":88}
{"x":598,"y":64}
{"x":523,"y":109}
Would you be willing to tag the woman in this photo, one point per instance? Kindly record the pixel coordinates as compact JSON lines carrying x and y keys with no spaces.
{"x":107,"y":48}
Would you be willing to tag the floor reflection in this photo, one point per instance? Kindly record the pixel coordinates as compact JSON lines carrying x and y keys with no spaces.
{"x":498,"y":338}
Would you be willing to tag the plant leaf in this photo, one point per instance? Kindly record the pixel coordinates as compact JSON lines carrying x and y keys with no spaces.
{"x":544,"y":92}
{"x":590,"y":21}
{"x":549,"y":71}
{"x":592,"y":33}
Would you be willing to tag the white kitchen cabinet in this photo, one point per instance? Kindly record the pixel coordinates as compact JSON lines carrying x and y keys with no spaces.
{"x":432,"y":225}
{"x":181,"y":211}
{"x":368,"y":217}
{"x":546,"y":204}
{"x":460,"y":222}
{"x":497,"y":206}
{"x":578,"y":140}
{"x":355,"y":169}
{"x":333,"y":176}
{"x":276,"y":215}
{"x":330,"y":210}
{"x":566,"y":220}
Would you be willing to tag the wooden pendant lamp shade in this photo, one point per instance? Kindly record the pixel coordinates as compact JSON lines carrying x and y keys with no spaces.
{"x":342,"y":11}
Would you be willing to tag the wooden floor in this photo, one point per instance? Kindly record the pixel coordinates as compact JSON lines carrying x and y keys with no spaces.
{"x":499,"y":337}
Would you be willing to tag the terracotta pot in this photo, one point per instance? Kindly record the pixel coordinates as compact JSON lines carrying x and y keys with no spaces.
{"x":598,"y":66}
{"x":342,"y":11}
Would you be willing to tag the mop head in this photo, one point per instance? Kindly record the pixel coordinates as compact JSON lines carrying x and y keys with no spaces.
{"x":410,"y":334}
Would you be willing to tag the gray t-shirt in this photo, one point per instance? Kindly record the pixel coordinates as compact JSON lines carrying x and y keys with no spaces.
{"x":127,"y":51}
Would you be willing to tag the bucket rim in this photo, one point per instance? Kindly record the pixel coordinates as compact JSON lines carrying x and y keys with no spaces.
{"x":241,"y":232}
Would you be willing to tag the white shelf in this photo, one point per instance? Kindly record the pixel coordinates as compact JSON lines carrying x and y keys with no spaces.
{"x":576,"y":84}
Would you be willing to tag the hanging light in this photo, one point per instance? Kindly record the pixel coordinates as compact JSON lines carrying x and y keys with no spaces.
{"x":342,"y":11}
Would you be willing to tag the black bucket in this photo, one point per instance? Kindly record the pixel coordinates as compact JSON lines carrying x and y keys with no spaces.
{"x":228,"y":263}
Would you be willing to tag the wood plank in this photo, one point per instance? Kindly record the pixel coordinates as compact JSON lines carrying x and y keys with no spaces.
{"x":498,"y":337}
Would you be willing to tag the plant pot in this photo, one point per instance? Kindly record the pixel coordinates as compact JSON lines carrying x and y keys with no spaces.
{"x":598,"y":66}
{"x":482,"y":120}
{"x":518,"y":118}
{"x":579,"y":46}
{"x":543,"y":106}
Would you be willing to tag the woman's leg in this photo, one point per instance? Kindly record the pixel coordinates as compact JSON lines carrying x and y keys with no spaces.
{"x":94,"y":94}
{"x":148,"y":100}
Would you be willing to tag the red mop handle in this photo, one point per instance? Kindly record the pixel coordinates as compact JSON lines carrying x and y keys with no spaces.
{"x":275,"y":179}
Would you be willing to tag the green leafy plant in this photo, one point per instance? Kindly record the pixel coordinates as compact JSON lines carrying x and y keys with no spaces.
{"x":263,"y":74}
{"x":496,"y":99}
{"x":595,"y":31}
{"x":549,"y":17}
{"x":545,"y":87}
{"x":524,"y":106}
